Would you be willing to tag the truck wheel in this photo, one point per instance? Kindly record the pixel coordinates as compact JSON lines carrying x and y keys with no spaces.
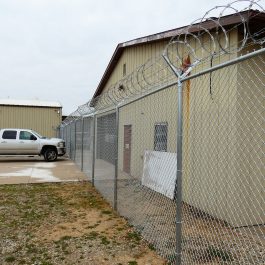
{"x":50,"y":155}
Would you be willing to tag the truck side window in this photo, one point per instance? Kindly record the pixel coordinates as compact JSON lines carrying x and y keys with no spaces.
{"x":26,"y":136}
{"x":9,"y":135}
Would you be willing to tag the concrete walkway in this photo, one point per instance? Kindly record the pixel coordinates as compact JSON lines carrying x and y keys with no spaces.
{"x":17,"y":170}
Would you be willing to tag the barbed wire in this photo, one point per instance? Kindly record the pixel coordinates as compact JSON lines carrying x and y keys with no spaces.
{"x":200,"y":42}
{"x":212,"y":27}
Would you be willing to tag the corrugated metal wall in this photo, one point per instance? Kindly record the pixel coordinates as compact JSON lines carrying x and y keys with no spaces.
{"x":133,"y":57}
{"x":44,"y":120}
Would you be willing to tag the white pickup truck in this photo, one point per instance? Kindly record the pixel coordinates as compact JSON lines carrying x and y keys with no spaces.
{"x":27,"y":142}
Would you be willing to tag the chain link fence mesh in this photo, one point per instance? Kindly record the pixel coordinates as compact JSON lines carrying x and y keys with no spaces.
{"x":223,"y":164}
{"x":147,"y":163}
{"x":125,"y":140}
{"x":78,"y":142}
{"x":88,"y":131}
{"x":105,"y":154}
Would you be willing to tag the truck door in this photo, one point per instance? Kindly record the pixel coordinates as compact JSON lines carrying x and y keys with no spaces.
{"x":27,"y":143}
{"x":8,"y":142}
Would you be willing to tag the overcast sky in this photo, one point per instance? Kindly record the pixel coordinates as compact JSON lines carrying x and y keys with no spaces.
{"x":58,"y":50}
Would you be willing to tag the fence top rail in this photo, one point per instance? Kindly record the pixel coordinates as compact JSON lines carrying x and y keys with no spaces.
{"x":225,"y":64}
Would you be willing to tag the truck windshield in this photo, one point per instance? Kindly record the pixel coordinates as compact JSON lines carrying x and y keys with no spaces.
{"x":37,"y":134}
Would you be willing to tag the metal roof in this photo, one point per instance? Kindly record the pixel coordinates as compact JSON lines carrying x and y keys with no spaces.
{"x":30,"y":103}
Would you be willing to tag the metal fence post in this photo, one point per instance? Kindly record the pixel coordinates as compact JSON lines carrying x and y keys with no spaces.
{"x":70,"y":140}
{"x":178,"y":185}
{"x":94,"y":151}
{"x":116,"y":159}
{"x":82,"y":143}
{"x":75,"y":141}
{"x":179,"y":173}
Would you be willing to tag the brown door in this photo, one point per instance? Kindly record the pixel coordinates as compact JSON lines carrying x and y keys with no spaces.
{"x":127,"y":148}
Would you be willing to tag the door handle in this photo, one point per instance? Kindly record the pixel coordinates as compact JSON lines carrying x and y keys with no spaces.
{"x":21,"y":142}
{"x":4,"y":142}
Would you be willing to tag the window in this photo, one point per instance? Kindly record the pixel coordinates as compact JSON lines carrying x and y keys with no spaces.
{"x":26,"y":136}
{"x":160,"y":141}
{"x":124,"y":69}
{"x":9,"y":135}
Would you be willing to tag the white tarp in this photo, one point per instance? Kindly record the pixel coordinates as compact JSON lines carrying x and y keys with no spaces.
{"x":160,"y":172}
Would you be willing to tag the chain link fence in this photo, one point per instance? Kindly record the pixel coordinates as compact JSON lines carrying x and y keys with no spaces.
{"x":147,"y":163}
{"x":177,"y":147}
{"x":105,"y":153}
{"x":223,"y":166}
{"x":87,"y":157}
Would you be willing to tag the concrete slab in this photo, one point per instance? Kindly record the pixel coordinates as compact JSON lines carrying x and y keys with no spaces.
{"x":18,"y":170}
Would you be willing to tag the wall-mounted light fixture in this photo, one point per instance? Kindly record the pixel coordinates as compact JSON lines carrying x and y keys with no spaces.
{"x":121,"y":87}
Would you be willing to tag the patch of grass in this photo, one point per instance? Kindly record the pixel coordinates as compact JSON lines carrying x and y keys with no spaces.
{"x":33,"y":216}
{"x":172,"y":259}
{"x":10,"y":259}
{"x":93,"y":235}
{"x":63,"y":214}
{"x":65,"y":238}
{"x":92,"y":226}
{"x":30,"y":211}
{"x":88,"y":200}
{"x":31,"y":248}
{"x":13,"y":223}
{"x":133,"y":262}
{"x":152,"y":247}
{"x":134,"y":236}
{"x":62,"y":243}
{"x":64,"y":246}
{"x":214,"y":252}
{"x":2,"y":218}
{"x":66,"y":252}
{"x":104,"y":240}
{"x":106,"y":212}
{"x":45,"y":262}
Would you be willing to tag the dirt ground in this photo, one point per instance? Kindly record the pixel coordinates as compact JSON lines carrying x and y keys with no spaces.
{"x":66,"y":223}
